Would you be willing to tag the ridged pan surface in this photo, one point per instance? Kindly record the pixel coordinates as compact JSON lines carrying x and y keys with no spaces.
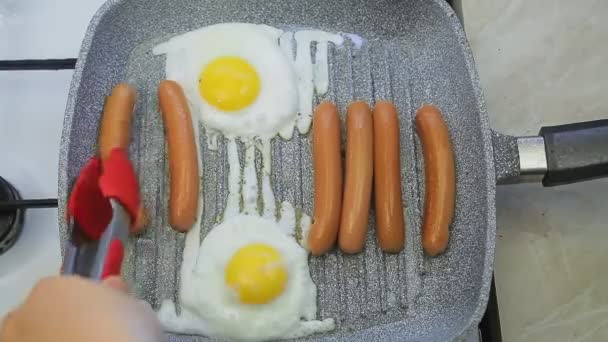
{"x":413,"y":52}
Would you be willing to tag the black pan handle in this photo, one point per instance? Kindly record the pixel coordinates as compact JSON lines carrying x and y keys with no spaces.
{"x":575,"y":152}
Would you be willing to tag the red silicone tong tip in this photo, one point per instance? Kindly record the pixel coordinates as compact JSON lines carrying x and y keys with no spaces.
{"x":89,"y":203}
{"x":113,"y":261}
{"x":119,"y":181}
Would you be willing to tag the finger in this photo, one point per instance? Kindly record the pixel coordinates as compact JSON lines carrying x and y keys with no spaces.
{"x":7,"y":327}
{"x":115,"y":282}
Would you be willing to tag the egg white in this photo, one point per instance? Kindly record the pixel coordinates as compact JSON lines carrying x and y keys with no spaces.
{"x":289,"y":315}
{"x":276,"y":106}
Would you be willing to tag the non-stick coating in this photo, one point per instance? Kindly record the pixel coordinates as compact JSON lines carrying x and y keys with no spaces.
{"x":414,"y":52}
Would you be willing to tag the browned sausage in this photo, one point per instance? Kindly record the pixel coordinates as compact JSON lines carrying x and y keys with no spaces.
{"x":115,"y":125}
{"x":358,"y":178}
{"x":115,"y":131}
{"x":140,"y":221}
{"x":387,"y":178}
{"x":440,"y":188}
{"x":327,"y":163}
{"x":183,"y":162}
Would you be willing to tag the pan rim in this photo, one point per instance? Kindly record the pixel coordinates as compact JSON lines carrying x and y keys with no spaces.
{"x":486,"y":280}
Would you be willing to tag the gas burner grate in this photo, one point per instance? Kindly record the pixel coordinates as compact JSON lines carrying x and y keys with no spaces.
{"x":11,"y":221}
{"x":38,"y":64}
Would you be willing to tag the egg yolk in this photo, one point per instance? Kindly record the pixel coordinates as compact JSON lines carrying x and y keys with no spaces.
{"x":256,"y":273}
{"x":229,"y":83}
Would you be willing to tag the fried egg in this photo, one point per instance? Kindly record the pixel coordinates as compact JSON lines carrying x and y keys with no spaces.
{"x":251,"y":282}
{"x":236,"y":78}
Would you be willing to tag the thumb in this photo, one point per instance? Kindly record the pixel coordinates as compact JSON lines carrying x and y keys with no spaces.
{"x":116,"y":283}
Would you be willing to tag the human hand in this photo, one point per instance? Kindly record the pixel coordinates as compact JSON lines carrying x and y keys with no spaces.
{"x":70,"y":309}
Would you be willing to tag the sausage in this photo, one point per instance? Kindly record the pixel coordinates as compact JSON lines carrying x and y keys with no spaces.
{"x":115,"y":125}
{"x":358,"y":178}
{"x":387,"y":178}
{"x":115,"y":131}
{"x":440,"y":188}
{"x":183,"y":162}
{"x":140,"y":221}
{"x":327,"y":163}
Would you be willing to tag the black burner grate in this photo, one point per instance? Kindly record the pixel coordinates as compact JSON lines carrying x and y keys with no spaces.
{"x":38,"y":64}
{"x":11,"y":221}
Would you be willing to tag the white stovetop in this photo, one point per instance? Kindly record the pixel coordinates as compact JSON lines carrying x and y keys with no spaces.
{"x":32,"y":104}
{"x":541,"y":62}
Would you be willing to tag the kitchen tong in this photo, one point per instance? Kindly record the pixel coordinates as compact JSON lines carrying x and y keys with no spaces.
{"x":101,"y":209}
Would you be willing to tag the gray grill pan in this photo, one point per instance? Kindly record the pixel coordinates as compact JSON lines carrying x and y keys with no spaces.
{"x":415,"y":52}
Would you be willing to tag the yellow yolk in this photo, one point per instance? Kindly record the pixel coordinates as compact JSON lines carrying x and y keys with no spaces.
{"x":229,"y":83}
{"x":256,"y":273}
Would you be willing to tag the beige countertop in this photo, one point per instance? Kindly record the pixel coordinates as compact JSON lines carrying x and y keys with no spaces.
{"x":541,"y":63}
